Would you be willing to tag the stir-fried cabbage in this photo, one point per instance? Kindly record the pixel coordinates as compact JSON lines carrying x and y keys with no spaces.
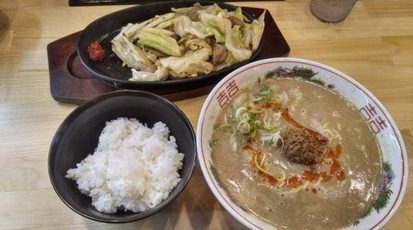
{"x":187,"y":42}
{"x":131,"y":55}
{"x":190,"y":65}
{"x":184,"y":26}
{"x":159,"y":39}
{"x":235,"y":45}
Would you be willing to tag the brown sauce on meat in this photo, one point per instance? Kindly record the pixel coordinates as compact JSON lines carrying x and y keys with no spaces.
{"x":331,"y":187}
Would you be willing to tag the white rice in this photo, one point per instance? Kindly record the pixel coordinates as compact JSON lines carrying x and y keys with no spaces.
{"x":133,"y":167}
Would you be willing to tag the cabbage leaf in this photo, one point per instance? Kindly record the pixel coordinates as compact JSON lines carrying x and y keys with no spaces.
{"x":159,"y":75}
{"x":156,"y":39}
{"x":221,"y":24}
{"x":257,"y":27}
{"x":235,"y":45}
{"x":192,"y":64}
{"x":183,"y":26}
{"x":131,"y":55}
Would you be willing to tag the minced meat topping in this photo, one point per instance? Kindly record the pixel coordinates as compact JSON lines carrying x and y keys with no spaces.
{"x":302,"y":147}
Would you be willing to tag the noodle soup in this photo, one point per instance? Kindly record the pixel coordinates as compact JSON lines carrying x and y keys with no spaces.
{"x":297,"y":155}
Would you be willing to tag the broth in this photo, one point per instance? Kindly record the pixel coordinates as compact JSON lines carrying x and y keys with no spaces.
{"x":255,"y":171}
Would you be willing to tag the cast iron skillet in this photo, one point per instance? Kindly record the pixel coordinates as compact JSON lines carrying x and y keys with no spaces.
{"x":111,"y":70}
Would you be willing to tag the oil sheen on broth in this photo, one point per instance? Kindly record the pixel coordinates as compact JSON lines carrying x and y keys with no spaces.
{"x":257,"y":172}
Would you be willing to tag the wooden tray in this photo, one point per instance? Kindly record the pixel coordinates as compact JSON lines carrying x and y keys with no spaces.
{"x":71,"y":82}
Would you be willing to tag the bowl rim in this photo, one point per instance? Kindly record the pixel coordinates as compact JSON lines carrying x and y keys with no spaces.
{"x":93,"y":102}
{"x":213,"y":185}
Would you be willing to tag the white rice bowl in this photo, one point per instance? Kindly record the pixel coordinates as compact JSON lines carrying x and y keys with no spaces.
{"x":133,"y":167}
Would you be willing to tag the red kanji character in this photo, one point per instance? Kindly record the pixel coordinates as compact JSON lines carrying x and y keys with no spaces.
{"x":222,"y":98}
{"x":368,"y":111}
{"x":378,"y":124}
{"x":232,"y":88}
{"x":381,"y":123}
{"x":376,"y":129}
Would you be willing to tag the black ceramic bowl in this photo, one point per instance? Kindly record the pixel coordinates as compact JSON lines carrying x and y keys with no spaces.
{"x":78,"y":136}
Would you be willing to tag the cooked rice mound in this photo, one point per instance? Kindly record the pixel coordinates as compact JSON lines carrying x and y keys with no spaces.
{"x":133,"y":167}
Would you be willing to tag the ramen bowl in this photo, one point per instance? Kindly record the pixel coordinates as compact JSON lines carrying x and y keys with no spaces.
{"x":393,"y":166}
{"x":80,"y":134}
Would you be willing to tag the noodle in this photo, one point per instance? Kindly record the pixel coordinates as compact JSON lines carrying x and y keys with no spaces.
{"x":293,"y":191}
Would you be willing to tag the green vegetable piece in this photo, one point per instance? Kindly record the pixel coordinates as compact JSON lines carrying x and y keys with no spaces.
{"x":219,"y":37}
{"x":264,"y":94}
{"x":257,"y":27}
{"x":161,"y":42}
{"x":221,"y":24}
{"x":234,"y":44}
{"x":237,"y":13}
